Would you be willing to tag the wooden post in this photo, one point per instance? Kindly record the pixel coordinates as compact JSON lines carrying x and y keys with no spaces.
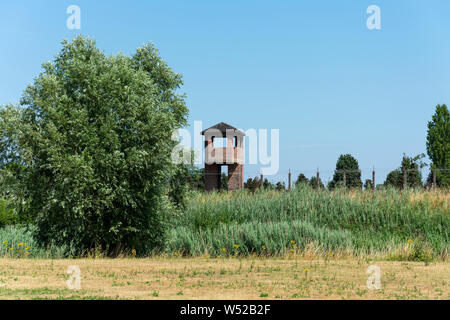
{"x":405,"y":180}
{"x":289,"y":177}
{"x":345,"y":179}
{"x":261,"y":181}
{"x":373,"y":179}
{"x":434,"y":179}
{"x":318,"y":179}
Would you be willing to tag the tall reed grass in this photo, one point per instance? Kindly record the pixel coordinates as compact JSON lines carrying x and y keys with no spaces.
{"x":360,"y":222}
{"x":412,"y":224}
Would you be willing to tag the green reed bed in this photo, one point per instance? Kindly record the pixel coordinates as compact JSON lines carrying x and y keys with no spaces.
{"x":267,"y":222}
{"x":412,"y":225}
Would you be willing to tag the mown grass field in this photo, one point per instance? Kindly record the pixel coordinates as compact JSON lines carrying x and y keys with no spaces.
{"x":222,"y":278}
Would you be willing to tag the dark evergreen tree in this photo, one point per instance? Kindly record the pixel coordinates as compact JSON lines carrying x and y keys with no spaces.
{"x":353,"y":175}
{"x":313,"y":183}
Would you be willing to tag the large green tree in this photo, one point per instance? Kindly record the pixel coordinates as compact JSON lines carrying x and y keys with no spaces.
{"x":94,"y":135}
{"x":352,"y":174}
{"x":438,"y":145}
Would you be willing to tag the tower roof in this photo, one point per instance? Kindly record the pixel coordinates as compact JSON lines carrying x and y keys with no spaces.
{"x":223,"y":128}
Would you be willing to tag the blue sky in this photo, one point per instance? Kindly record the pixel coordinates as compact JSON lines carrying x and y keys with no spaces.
{"x":311,"y":69}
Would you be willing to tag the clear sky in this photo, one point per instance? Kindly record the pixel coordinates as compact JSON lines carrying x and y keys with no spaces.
{"x":311,"y":69}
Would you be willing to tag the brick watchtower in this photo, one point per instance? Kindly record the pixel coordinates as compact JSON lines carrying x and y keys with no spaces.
{"x":232,"y":156}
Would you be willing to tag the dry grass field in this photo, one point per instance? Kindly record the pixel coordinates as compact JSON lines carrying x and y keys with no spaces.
{"x":222,"y":278}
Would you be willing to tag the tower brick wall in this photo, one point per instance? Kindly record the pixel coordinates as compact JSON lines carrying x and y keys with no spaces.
{"x":231,"y":156}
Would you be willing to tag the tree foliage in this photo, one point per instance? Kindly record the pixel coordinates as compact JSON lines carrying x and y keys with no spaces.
{"x":368,"y":185}
{"x":252,"y":184}
{"x":411,"y":166}
{"x":313,"y":183}
{"x":438,"y":144}
{"x":94,"y":135}
{"x":352,"y":176}
{"x":280,"y":186}
{"x":255,"y":183}
{"x":185,"y":177}
{"x":301,"y":179}
{"x":223,"y":181}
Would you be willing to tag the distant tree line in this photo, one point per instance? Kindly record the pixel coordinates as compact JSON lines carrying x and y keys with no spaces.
{"x":438,"y":150}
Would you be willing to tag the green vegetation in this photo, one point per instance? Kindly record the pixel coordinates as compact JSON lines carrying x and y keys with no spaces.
{"x":7,"y":216}
{"x":86,"y":168}
{"x":18,"y":242}
{"x":313,"y":183}
{"x":265,"y":222}
{"x":438,"y":144}
{"x":89,"y":148}
{"x":409,"y":225}
{"x":349,"y":164}
{"x":411,"y":166}
{"x":301,"y":179}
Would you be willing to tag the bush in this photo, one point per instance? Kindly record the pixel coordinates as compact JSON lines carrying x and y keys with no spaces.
{"x":7,"y":216}
{"x":18,"y":242}
{"x":412,"y":166}
{"x":301,"y":179}
{"x":94,"y":135}
{"x":421,"y":251}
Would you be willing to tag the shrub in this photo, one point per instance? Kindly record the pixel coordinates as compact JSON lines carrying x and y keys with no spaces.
{"x":94,"y":134}
{"x":421,"y":251}
{"x":301,"y":179}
